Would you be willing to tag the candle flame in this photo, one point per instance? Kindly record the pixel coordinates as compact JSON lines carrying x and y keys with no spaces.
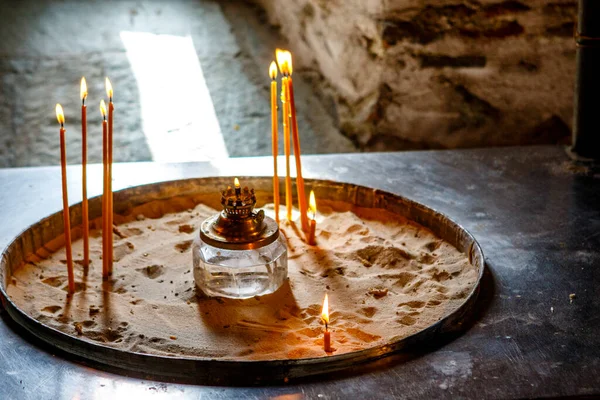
{"x":312,"y":204}
{"x":103,"y":108}
{"x":273,"y":70}
{"x":60,"y":116}
{"x":325,"y":310}
{"x":83,"y":90}
{"x":236,"y":182}
{"x":109,"y":90}
{"x":282,"y":60}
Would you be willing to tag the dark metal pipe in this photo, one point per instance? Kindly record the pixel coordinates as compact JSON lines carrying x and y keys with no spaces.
{"x":586,"y":122}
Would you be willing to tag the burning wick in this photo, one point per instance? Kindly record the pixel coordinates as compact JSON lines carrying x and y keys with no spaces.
{"x":238,"y":189}
{"x":325,"y":318}
{"x":312,"y":208}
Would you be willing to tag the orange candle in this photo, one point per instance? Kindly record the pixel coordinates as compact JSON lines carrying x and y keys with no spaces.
{"x":282,"y":62}
{"x":84,"y":199}
{"x":110,"y":208}
{"x":312,"y":204}
{"x":104,"y":191}
{"x":274,"y":134}
{"x":66,"y":216}
{"x":325,"y":318}
{"x":296,"y":142}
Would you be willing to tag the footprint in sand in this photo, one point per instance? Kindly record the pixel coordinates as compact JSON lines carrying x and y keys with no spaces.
{"x":404,"y":278}
{"x":51,"y":309}
{"x":183,"y":246}
{"x":407,"y":320}
{"x":441,"y":276}
{"x":55,"y":281}
{"x":104,"y":336}
{"x":128,"y":232}
{"x":433,"y":246}
{"x":152,"y":271}
{"x":79,"y":287}
{"x":368,"y":311}
{"x":186,"y":228}
{"x":427,"y":258}
{"x":123,"y":249}
{"x":359,"y":229}
{"x":88,"y":323}
{"x":362,"y":335}
{"x":413,"y":304}
{"x":383,"y":256}
{"x":436,"y":301}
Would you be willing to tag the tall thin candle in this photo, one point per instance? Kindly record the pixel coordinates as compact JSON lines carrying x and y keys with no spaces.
{"x":111,"y":108}
{"x":84,"y":199}
{"x":274,"y":134}
{"x":281,"y":61}
{"x":105,"y":269}
{"x":60,"y":116}
{"x":296,"y":143}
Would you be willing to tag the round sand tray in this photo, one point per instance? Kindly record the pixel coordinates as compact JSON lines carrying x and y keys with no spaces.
{"x":397,"y":274}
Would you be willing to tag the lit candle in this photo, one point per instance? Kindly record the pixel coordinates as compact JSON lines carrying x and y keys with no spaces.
{"x":111,"y":108}
{"x":60,"y":116}
{"x":312,"y":205}
{"x":274,"y":134}
{"x":296,"y":142}
{"x":105,"y":269}
{"x":238,"y":189}
{"x":84,"y":199}
{"x":325,"y":318}
{"x":282,"y":62}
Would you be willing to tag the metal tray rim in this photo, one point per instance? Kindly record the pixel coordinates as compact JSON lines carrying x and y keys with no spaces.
{"x":271,"y":370}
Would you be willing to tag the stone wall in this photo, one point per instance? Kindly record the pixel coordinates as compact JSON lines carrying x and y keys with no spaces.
{"x":408,"y":74}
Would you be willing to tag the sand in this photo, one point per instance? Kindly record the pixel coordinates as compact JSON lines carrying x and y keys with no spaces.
{"x":386,"y":277}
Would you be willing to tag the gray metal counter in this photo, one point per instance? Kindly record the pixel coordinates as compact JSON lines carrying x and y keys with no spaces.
{"x":535,"y":214}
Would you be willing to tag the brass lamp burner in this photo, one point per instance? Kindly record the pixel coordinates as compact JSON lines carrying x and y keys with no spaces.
{"x":238,"y":227}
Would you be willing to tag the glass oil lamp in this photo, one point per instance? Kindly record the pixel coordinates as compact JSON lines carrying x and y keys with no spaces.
{"x":239,"y":253}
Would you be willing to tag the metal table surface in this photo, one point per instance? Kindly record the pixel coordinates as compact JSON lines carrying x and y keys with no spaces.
{"x":534,"y":212}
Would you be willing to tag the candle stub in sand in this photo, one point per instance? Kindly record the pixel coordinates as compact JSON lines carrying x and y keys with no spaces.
{"x":325,"y":318}
{"x":239,"y":253}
